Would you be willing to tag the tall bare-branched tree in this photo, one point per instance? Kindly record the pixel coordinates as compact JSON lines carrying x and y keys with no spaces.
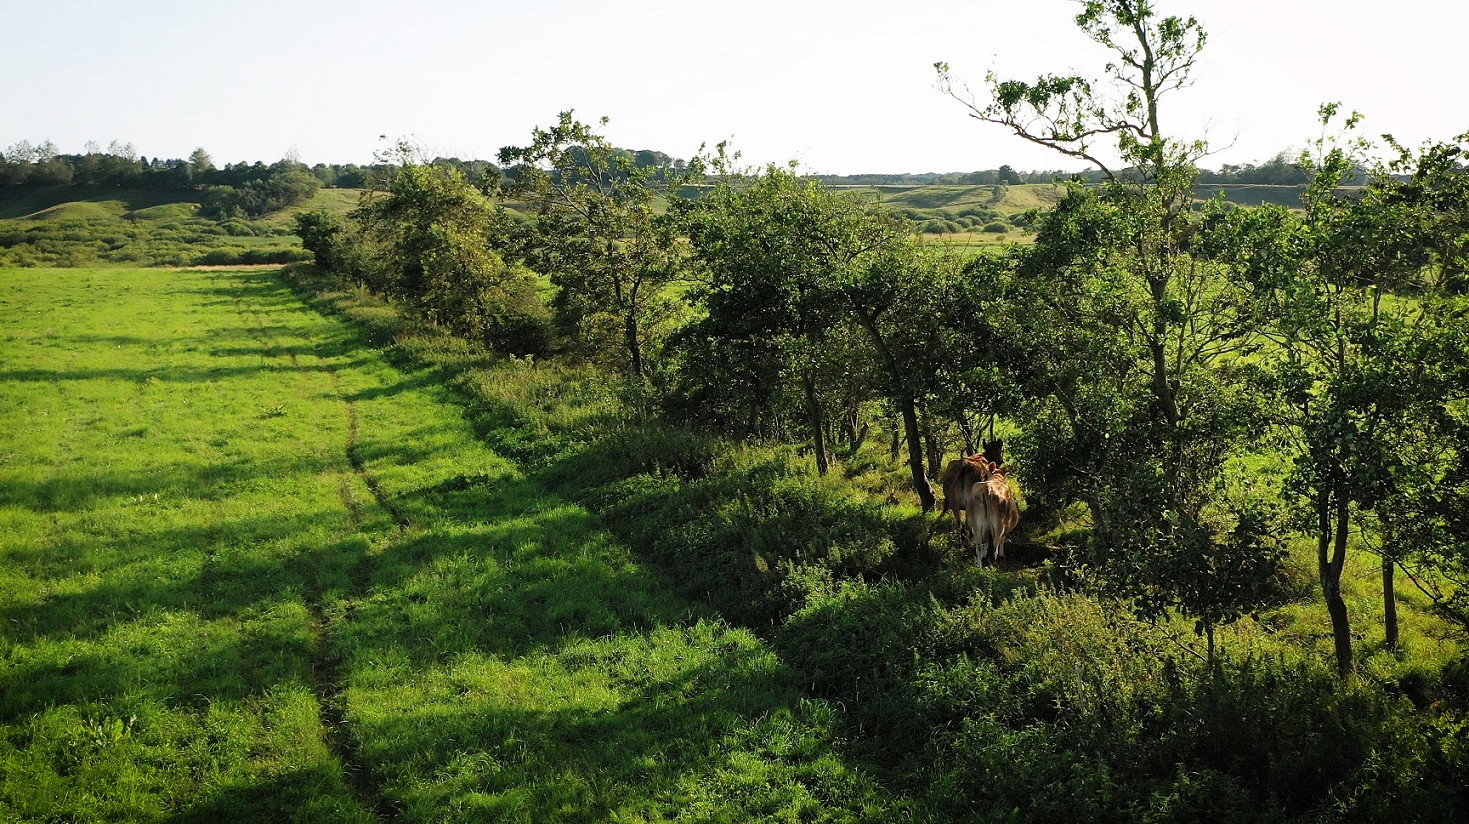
{"x":1132,"y":327}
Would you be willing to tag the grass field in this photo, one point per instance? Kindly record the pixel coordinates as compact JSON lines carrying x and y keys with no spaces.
{"x":249,"y":571}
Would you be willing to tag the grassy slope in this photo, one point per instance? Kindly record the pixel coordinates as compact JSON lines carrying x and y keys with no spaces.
{"x":1006,"y":200}
{"x":252,"y":571}
{"x":91,"y":201}
{"x":144,"y":228}
{"x":943,"y":201}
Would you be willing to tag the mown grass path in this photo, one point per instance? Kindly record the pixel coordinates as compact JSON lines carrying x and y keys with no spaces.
{"x":251,"y":572}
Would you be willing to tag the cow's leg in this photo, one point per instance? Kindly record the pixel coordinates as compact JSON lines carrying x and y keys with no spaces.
{"x":979,"y":522}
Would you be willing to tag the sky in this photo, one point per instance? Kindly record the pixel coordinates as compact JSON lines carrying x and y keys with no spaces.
{"x":839,"y":86}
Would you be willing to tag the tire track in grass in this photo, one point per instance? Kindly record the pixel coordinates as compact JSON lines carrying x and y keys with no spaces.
{"x":256,"y":328}
{"x":354,"y":455}
{"x":326,"y":681}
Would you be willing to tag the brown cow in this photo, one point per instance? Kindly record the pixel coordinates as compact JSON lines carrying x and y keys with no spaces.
{"x":958,"y":480}
{"x":992,"y":514}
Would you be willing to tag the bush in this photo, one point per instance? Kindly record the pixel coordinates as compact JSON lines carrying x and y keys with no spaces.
{"x":749,"y":530}
{"x":996,"y":228}
{"x":250,"y":257}
{"x":235,"y":227}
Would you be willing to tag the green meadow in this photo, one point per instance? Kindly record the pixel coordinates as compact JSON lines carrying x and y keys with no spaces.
{"x":252,"y":571}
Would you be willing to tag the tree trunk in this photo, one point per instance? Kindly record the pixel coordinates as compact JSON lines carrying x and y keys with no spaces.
{"x":634,"y":344}
{"x":1389,"y":603}
{"x":909,"y":407}
{"x":857,"y":441}
{"x":933,"y":448}
{"x":635,"y":353}
{"x":1331,"y":569}
{"x":818,"y":423}
{"x":966,"y":431}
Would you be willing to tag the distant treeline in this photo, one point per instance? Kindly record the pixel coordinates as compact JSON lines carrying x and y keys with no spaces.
{"x":1282,"y":170}
{"x":267,"y":186}
{"x":237,"y":190}
{"x":120,"y":165}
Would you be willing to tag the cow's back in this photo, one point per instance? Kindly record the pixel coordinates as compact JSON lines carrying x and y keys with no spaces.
{"x":958,"y":480}
{"x":1001,"y":513}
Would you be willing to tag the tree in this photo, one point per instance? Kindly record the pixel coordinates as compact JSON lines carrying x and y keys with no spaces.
{"x":597,"y":235}
{"x":1368,"y":343}
{"x":1131,"y":326}
{"x":334,"y":240}
{"x":439,"y":237}
{"x":258,"y":190}
{"x":200,"y":165}
{"x":1425,"y":515}
{"x":789,"y":266}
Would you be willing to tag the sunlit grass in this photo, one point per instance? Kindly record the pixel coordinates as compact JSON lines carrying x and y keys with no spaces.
{"x":249,"y":570}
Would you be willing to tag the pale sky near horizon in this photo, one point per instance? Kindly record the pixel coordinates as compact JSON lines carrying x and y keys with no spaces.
{"x":841,"y":87}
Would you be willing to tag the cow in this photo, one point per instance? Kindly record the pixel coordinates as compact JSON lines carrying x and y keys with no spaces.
{"x":992,"y":513}
{"x":958,"y":480}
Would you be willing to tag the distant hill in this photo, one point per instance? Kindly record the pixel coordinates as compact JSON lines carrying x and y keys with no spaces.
{"x":80,"y":201}
{"x":92,"y":225}
{"x":101,"y":201}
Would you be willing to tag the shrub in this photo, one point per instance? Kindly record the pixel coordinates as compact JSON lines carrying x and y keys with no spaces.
{"x":327,"y":237}
{"x":235,"y":227}
{"x":249,"y":257}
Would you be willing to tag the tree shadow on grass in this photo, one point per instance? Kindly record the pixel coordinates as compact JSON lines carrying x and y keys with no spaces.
{"x":163,"y":373}
{"x":716,"y":730}
{"x":81,"y":488}
{"x":519,"y":658}
{"x":505,"y":571}
{"x":509,"y":571}
{"x":313,"y":792}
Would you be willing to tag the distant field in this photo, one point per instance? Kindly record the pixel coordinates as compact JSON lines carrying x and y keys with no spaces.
{"x":1004,"y":199}
{"x":1252,"y":194}
{"x":79,"y":226}
{"x":250,"y":571}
